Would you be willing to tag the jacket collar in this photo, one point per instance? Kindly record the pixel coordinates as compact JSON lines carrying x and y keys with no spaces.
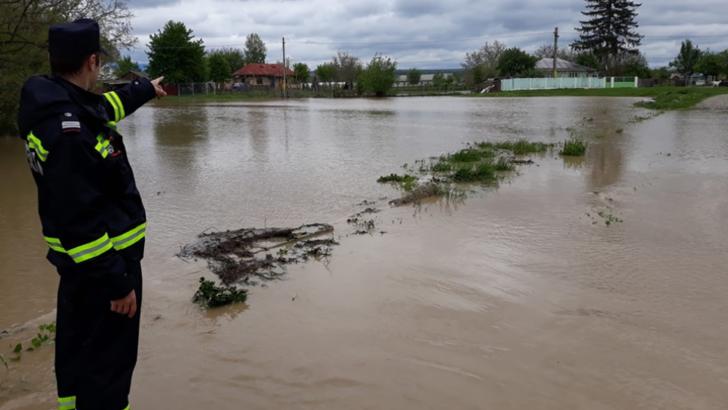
{"x":92,"y":103}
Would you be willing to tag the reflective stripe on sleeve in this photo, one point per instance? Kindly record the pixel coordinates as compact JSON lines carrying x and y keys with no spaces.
{"x":36,"y":145}
{"x":130,"y":237}
{"x":90,"y":250}
{"x":93,"y":249}
{"x":115,"y":102}
{"x":102,"y":146}
{"x":67,"y":403}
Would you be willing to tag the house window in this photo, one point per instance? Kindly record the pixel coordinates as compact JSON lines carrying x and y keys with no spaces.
{"x":259,"y":81}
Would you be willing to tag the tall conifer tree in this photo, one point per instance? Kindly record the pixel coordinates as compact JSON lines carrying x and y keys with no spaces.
{"x":609,"y":31}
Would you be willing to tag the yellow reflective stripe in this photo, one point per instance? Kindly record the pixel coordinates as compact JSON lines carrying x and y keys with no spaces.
{"x":130,"y":237}
{"x":119,"y":104}
{"x":55,"y":244}
{"x":113,"y":105}
{"x":128,"y":407}
{"x":37,"y":145}
{"x":102,"y":145}
{"x":115,"y":102}
{"x":67,"y":403}
{"x":90,"y":250}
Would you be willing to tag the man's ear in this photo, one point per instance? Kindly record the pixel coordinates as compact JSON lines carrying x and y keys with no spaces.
{"x":93,"y":61}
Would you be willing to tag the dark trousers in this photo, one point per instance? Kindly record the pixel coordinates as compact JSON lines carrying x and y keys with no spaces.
{"x":96,"y":349}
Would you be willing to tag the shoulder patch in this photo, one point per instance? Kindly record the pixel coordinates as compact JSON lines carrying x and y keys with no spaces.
{"x":70,"y":123}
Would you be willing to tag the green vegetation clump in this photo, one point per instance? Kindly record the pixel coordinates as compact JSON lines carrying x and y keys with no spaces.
{"x":482,"y":162}
{"x":519,"y":147}
{"x":406,"y":182}
{"x":470,"y":155}
{"x":482,"y":172}
{"x":574,"y":147}
{"x":504,"y":165}
{"x":211,"y":296}
{"x":442,"y":166}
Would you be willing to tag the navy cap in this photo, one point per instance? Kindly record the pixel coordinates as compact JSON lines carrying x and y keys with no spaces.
{"x":79,"y":38}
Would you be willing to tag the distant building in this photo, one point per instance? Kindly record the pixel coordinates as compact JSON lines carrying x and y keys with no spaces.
{"x":564,"y":68}
{"x":262,"y":75}
{"x":124,"y":79}
{"x":425,"y":79}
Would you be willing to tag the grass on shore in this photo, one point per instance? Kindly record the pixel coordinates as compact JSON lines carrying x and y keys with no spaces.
{"x":664,"y":97}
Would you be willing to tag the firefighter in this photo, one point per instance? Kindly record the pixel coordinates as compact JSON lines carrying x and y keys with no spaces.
{"x":92,"y":215}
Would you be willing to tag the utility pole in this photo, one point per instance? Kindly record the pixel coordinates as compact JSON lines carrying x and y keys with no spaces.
{"x":556,"y":49}
{"x":285,"y":88}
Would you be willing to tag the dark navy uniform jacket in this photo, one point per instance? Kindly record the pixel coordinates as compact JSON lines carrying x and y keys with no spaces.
{"x":91,"y":211}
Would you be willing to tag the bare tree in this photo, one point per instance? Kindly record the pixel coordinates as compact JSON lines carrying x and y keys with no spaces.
{"x":487,"y":56}
{"x":547,"y":51}
{"x":347,"y":66}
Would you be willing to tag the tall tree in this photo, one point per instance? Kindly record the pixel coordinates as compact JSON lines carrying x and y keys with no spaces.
{"x":634,"y":65}
{"x":379,"y":76}
{"x":486,"y":56}
{"x":218,"y":67}
{"x":301,"y":72}
{"x":124,"y":65}
{"x":609,"y":31}
{"x":686,"y":61}
{"x":326,"y":72}
{"x":175,"y":54}
{"x":347,"y":66}
{"x":255,"y":51}
{"x":414,"y":76}
{"x":234,"y":57}
{"x":482,"y":64}
{"x":711,"y":64}
{"x":516,"y":62}
{"x":587,"y":59}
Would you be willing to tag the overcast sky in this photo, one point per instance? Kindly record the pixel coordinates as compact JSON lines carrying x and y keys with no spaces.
{"x":418,"y":33}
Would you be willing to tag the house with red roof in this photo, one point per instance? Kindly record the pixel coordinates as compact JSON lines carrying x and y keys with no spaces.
{"x":262,"y":75}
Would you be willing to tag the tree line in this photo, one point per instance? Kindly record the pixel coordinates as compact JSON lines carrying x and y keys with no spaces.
{"x":175,"y":53}
{"x":608,"y":42}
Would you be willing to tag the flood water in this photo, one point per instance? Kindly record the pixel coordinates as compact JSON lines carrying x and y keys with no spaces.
{"x":519,"y":297}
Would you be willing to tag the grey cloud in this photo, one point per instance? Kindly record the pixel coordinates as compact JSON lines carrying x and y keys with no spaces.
{"x":424,"y":33}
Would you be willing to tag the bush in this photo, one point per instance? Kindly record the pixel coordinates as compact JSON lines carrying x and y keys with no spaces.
{"x":574,"y":147}
{"x":379,"y":76}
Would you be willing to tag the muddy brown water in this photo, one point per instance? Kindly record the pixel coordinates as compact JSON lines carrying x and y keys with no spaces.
{"x":517,"y":297}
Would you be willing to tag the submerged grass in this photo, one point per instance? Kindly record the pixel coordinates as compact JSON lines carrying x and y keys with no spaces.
{"x":518,"y":147}
{"x":479,"y":172}
{"x":483,"y":163}
{"x":406,"y":181}
{"x":574,"y":147}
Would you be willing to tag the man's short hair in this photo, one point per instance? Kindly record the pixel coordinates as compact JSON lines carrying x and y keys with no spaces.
{"x":69,"y":65}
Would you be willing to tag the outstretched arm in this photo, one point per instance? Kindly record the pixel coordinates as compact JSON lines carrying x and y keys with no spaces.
{"x":123,"y":102}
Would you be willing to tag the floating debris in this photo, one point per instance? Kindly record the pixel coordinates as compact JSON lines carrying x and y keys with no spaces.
{"x":247,"y":255}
